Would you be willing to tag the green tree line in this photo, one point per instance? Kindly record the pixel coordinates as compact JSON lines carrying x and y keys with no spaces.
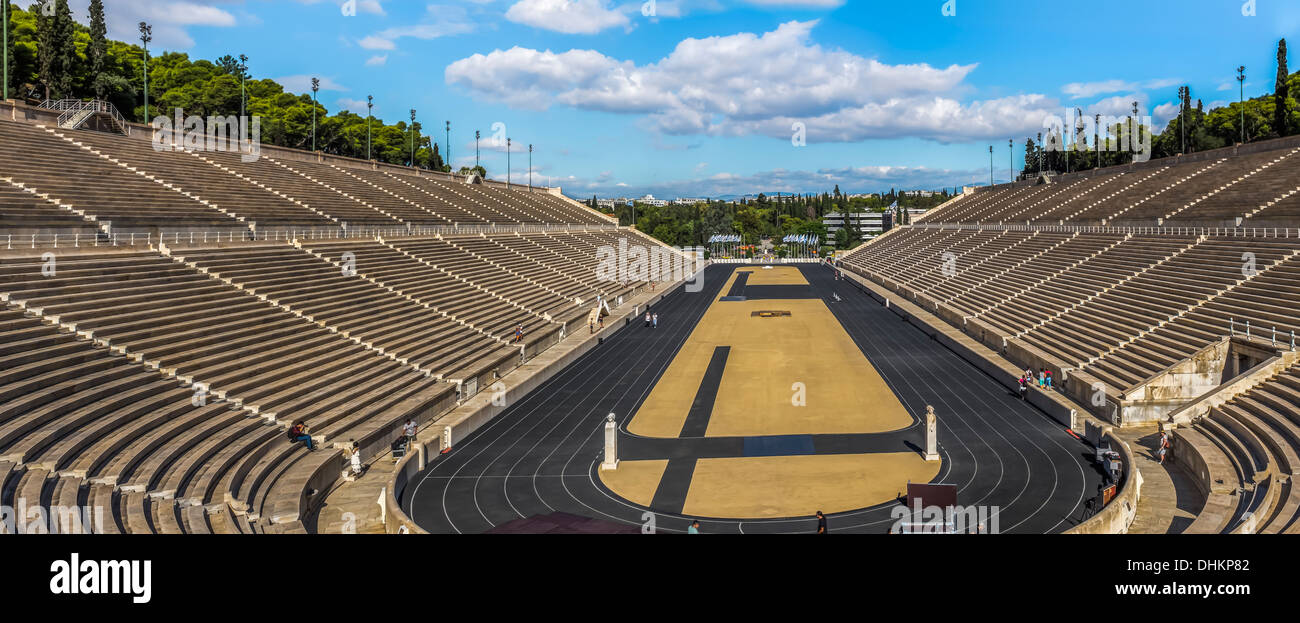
{"x":57,"y":57}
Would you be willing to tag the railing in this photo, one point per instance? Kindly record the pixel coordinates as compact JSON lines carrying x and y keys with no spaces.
{"x":1232,"y":331}
{"x":72,"y":107}
{"x":77,"y":240}
{"x":1238,"y":232}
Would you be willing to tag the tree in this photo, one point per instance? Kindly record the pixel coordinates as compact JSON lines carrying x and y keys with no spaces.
{"x":97,"y":51}
{"x":13,"y":48}
{"x":1281,"y":109}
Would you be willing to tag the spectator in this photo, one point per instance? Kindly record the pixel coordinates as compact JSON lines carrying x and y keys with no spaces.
{"x":655,"y":321}
{"x":1024,"y":386}
{"x":298,"y":432}
{"x":408,"y":431}
{"x":519,"y":333}
{"x":1049,"y":379}
{"x":1042,"y":377}
{"x":695,"y":527}
{"x":821,"y":523}
{"x":647,"y":319}
{"x":354,"y":457}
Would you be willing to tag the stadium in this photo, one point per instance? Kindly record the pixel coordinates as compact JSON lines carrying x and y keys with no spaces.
{"x":227,"y":311}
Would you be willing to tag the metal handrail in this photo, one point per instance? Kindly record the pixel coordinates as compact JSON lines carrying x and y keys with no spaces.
{"x":73,"y":107}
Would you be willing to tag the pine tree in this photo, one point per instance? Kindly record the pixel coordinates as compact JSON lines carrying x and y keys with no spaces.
{"x":1281,"y":112}
{"x":97,"y":51}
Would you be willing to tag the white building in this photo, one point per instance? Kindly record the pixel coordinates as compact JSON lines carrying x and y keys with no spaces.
{"x":870,"y":224}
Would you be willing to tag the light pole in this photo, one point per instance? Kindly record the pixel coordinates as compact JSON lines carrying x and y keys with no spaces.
{"x":1011,"y":158}
{"x":508,"y":142}
{"x":990,"y":165}
{"x":4,"y":26}
{"x":447,"y":146}
{"x":476,"y":137}
{"x":1134,"y":128}
{"x":1096,"y":139}
{"x":315,"y":87}
{"x":146,"y":35}
{"x":243,"y":71}
{"x":1040,"y":154}
{"x":1241,"y":101}
{"x":1183,"y":94}
{"x":370,"y":107}
{"x":412,"y":131}
{"x":530,"y":166}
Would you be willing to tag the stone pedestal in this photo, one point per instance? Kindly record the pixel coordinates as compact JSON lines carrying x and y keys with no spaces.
{"x":931,"y":435}
{"x":611,"y":444}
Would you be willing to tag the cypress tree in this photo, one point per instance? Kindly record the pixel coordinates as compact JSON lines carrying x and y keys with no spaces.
{"x":1281,"y":112}
{"x":97,"y":52}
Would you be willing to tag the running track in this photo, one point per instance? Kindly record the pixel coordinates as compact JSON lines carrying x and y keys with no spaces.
{"x":540,"y":455}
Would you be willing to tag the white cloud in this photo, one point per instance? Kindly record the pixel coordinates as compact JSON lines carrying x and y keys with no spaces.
{"x":441,"y":21}
{"x":377,"y":60}
{"x":754,"y":84}
{"x":170,"y":19}
{"x":302,"y":84}
{"x":372,"y":7}
{"x":849,"y":179}
{"x":1078,"y":90}
{"x":356,"y":107}
{"x":567,"y":16}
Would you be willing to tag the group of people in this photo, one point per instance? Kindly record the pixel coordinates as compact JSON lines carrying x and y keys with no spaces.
{"x":1042,"y":381}
{"x":651,"y":320}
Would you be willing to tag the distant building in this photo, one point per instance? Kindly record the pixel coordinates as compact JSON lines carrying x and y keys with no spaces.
{"x":869,"y":224}
{"x":687,"y":201}
{"x":650,"y":200}
{"x":605,"y":204}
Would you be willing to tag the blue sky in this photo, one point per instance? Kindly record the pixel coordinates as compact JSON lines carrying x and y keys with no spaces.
{"x":702,"y":97}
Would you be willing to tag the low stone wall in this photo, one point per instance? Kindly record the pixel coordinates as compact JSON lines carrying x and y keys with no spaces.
{"x":1117,"y":516}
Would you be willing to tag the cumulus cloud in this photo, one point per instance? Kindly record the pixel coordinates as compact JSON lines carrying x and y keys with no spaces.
{"x":170,"y":19}
{"x":754,"y":84}
{"x":567,"y":16}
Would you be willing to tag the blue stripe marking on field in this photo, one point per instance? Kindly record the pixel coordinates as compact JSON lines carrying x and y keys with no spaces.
{"x":779,"y":445}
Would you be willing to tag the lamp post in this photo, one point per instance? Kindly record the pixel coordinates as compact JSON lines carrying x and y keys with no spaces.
{"x":1241,"y":99}
{"x":530,"y":166}
{"x":1096,"y":139}
{"x":990,"y":165}
{"x":370,"y":107}
{"x":1134,"y":128}
{"x":315,"y":88}
{"x":447,"y":146}
{"x":243,"y":71}
{"x":4,"y":27}
{"x":146,"y":35}
{"x":1040,"y":154}
{"x":508,"y":143}
{"x":412,"y":132}
{"x":476,"y":137}
{"x":1183,"y":94}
